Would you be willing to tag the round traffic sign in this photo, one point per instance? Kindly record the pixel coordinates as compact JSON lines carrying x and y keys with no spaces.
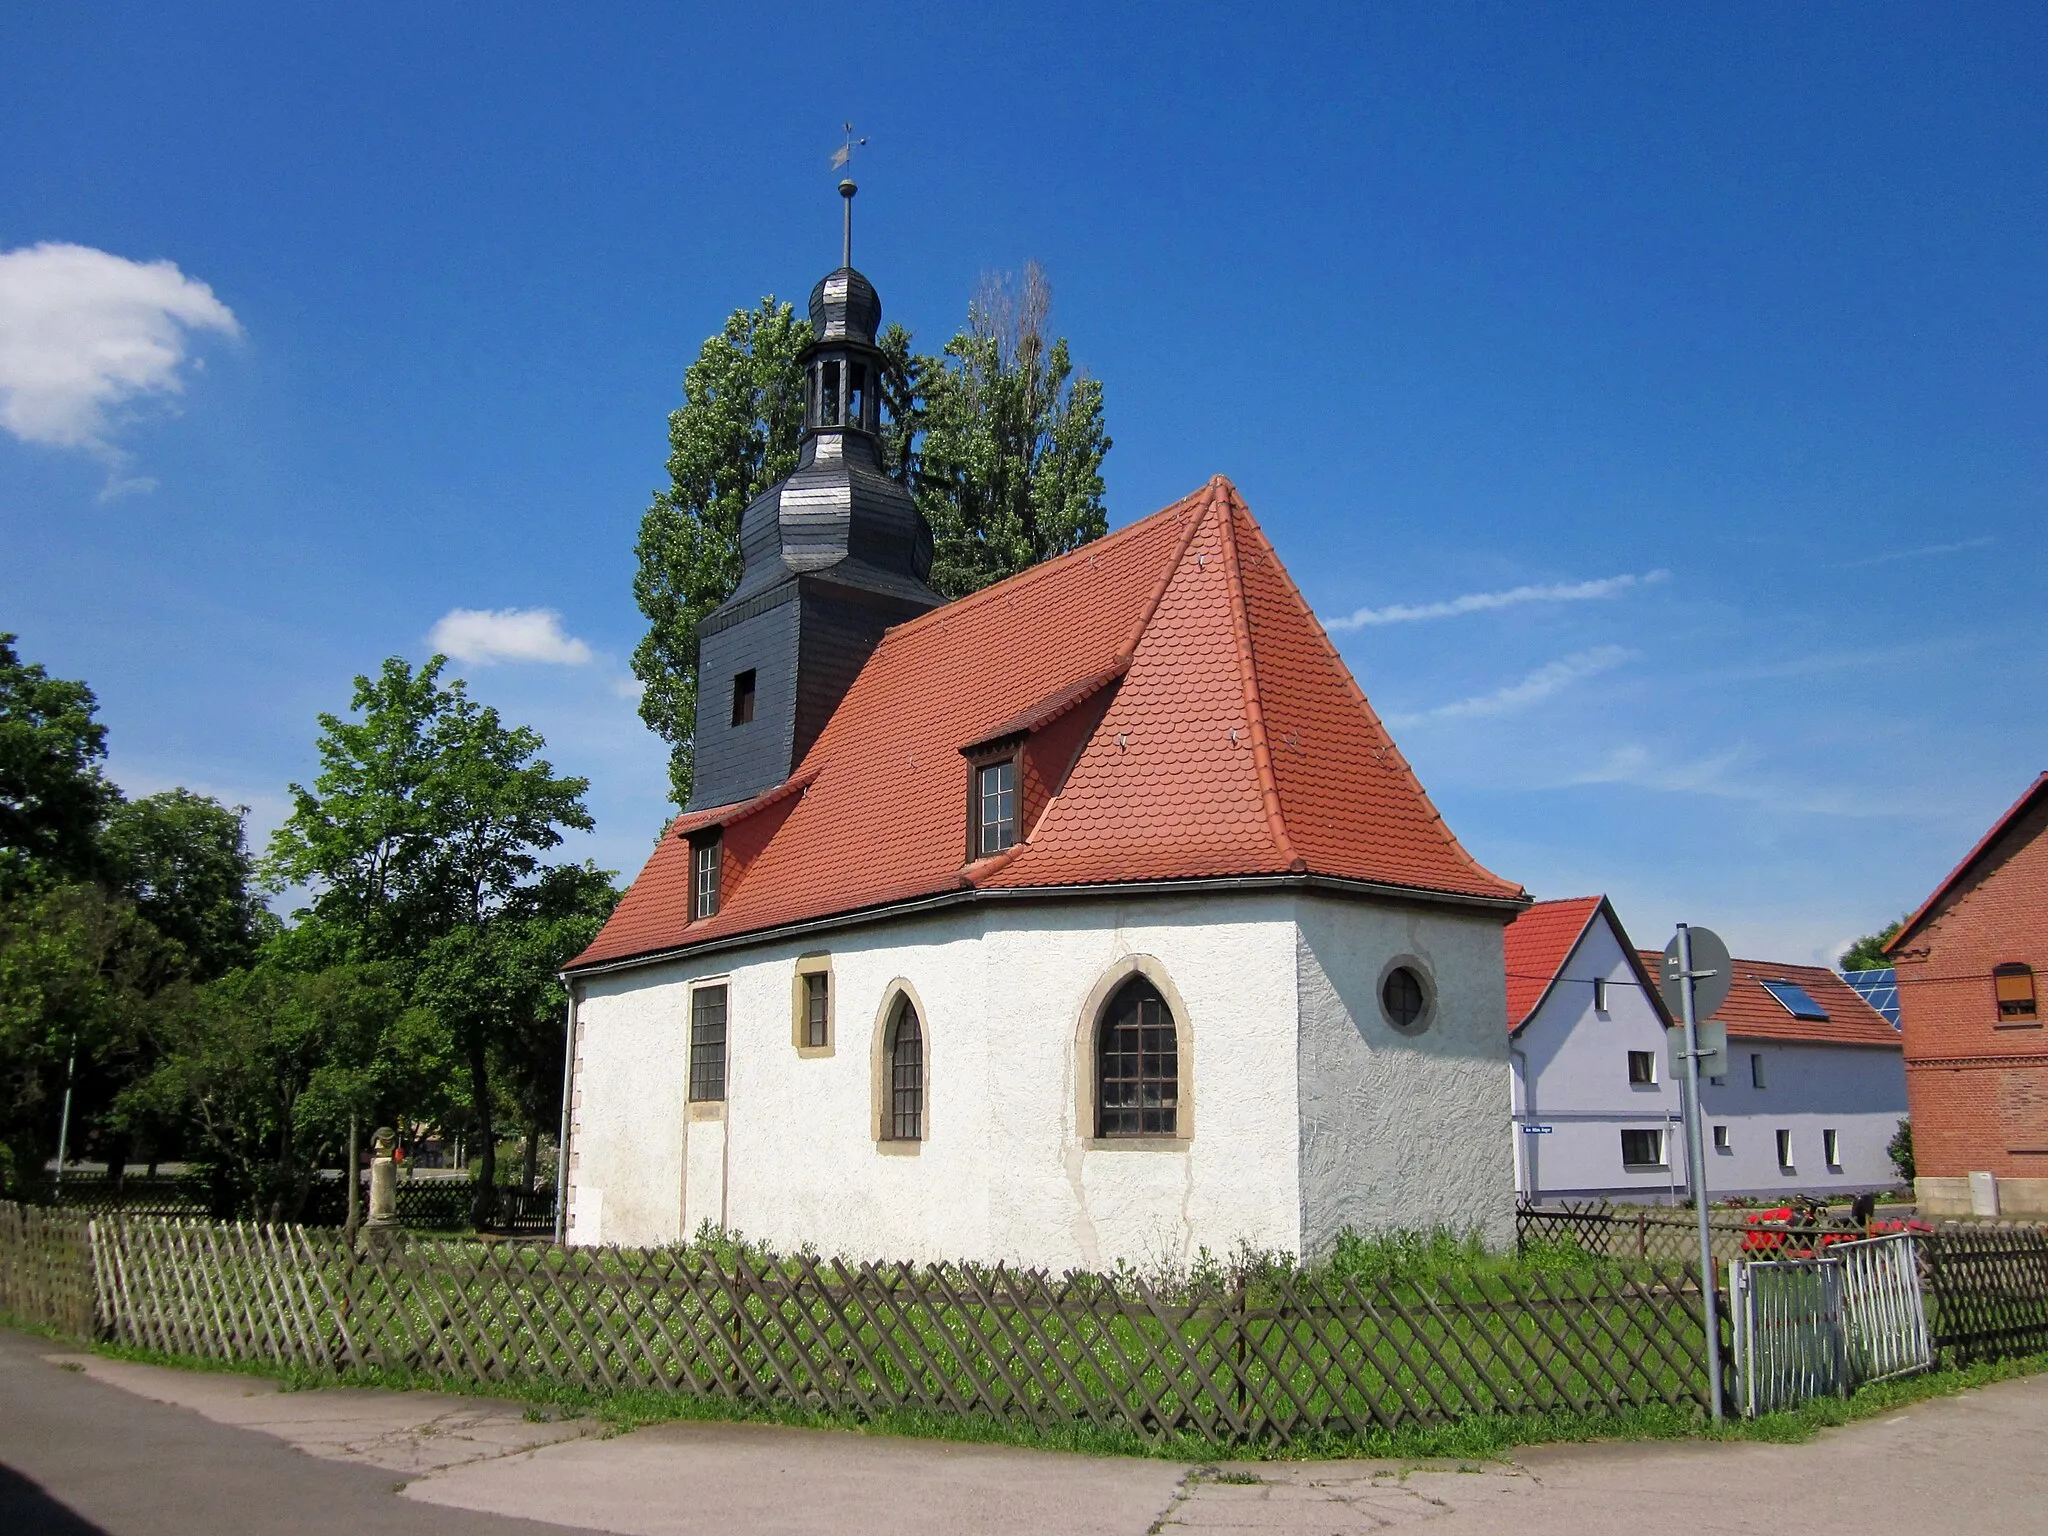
{"x":1712,"y":975}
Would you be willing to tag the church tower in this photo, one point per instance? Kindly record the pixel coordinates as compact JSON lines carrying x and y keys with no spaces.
{"x":834,"y":555}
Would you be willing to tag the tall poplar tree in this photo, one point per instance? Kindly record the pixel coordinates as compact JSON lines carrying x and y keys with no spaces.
{"x":999,"y":439}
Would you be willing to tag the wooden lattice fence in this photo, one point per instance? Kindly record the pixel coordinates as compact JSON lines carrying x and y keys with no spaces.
{"x":1245,"y":1360}
{"x":1987,"y":1290}
{"x":46,"y":1269}
{"x":1658,"y":1234}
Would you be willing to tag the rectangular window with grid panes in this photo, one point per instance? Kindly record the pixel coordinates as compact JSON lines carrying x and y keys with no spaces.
{"x":707,"y":1045}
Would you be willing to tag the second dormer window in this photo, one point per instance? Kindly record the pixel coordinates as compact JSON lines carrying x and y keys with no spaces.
{"x":707,"y":858}
{"x":995,"y":807}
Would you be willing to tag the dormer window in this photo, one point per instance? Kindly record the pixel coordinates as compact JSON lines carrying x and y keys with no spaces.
{"x":743,"y":698}
{"x":707,"y":865}
{"x":995,"y":807}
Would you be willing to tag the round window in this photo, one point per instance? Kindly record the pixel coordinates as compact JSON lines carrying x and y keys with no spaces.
{"x":1402,"y":996}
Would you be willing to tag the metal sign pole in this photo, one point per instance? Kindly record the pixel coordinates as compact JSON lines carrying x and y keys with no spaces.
{"x":1696,"y":1158}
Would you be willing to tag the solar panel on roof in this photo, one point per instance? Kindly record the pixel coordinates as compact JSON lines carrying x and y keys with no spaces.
{"x":1878,"y":988}
{"x":1795,"y":999}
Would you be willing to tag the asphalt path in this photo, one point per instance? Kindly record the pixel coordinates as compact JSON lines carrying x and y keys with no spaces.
{"x":79,"y":1456}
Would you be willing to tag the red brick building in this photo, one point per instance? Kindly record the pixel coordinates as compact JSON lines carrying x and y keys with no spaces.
{"x":1971,"y":964}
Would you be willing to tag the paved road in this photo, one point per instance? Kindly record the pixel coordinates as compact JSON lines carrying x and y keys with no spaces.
{"x":92,"y":1445}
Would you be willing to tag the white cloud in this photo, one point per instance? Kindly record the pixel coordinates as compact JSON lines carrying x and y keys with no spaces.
{"x":1921,"y":553}
{"x":83,"y":331}
{"x":482,"y":636}
{"x":1482,"y":602}
{"x":1537,"y":686}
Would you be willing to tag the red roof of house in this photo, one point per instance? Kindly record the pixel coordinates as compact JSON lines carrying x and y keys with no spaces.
{"x":1985,"y":844}
{"x":1536,"y":946}
{"x":1215,"y":732}
{"x":1751,"y":1013}
{"x":1539,"y":942}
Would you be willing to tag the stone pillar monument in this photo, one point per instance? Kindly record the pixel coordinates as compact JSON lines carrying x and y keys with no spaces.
{"x":383,"y":1179}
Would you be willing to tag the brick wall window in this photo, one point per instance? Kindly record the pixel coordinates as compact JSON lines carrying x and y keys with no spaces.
{"x":2014,"y":985}
{"x":707,"y":1045}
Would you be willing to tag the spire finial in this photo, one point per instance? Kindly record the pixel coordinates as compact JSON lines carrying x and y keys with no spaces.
{"x":841,"y":158}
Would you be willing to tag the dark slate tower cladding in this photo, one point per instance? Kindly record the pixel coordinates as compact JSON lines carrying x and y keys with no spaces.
{"x":834,"y":555}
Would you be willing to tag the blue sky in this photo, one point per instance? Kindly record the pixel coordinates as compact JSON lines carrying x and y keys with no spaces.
{"x":1704,"y":354}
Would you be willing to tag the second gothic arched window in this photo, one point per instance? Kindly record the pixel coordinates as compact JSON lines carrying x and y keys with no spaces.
{"x":905,"y":1121}
{"x":1137,"y":1064}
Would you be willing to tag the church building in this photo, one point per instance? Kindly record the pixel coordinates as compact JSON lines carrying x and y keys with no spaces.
{"x":1090,"y":918}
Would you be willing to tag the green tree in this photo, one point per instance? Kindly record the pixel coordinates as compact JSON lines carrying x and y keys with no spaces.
{"x":734,"y":435}
{"x":1000,"y":440}
{"x":78,"y":971}
{"x":184,"y":860}
{"x":267,"y":1065}
{"x":1010,"y":463}
{"x":1901,"y":1149}
{"x":53,"y":794}
{"x":421,"y":839}
{"x":1867,"y":953}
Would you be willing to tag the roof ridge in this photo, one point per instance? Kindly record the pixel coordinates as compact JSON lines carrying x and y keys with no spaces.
{"x":972,"y":600}
{"x":1913,"y":921}
{"x":1223,"y":491}
{"x":1350,"y":684}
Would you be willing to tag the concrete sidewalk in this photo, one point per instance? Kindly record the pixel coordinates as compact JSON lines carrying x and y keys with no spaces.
{"x":1969,"y":1463}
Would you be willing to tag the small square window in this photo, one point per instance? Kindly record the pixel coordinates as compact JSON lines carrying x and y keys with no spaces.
{"x":1831,"y":1149}
{"x":1721,"y":1142}
{"x":995,"y":807}
{"x":707,"y":860}
{"x":1785,"y":1150}
{"x":743,"y":698}
{"x":1756,"y":1069}
{"x":1642,"y":1149}
{"x":707,"y":1045}
{"x":1599,"y":994}
{"x":1642,"y":1068}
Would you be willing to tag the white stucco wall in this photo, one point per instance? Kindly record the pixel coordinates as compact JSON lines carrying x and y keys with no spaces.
{"x":1304,"y":1111}
{"x":1402,"y":1130}
{"x":1004,"y":1171}
{"x":1575,"y":1080}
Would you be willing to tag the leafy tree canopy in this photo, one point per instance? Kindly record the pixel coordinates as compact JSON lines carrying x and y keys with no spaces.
{"x":1867,"y":953}
{"x":1010,"y":463}
{"x":184,"y":861}
{"x":53,"y":795}
{"x":999,"y":438}
{"x":429,"y":813}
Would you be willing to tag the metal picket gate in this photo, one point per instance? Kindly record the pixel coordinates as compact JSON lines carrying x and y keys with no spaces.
{"x":1814,"y":1327}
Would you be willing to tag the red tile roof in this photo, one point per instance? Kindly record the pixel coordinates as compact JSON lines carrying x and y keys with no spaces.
{"x":2020,"y":807}
{"x":1214,"y":732}
{"x":1536,"y":946}
{"x":1751,"y":1013}
{"x":1542,"y":938}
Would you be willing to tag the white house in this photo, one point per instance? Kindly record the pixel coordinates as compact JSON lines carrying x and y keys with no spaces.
{"x":1092,"y":917}
{"x":1814,"y":1092}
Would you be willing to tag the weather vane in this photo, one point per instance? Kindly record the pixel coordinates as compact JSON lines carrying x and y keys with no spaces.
{"x":842,"y":159}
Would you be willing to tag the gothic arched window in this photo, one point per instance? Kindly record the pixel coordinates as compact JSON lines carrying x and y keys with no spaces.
{"x":904,"y":1056}
{"x":1137,"y":1064}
